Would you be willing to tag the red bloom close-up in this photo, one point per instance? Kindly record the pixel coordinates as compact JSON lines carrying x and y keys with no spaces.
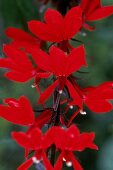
{"x":93,"y":11}
{"x":57,"y":28}
{"x":71,"y":140}
{"x":37,"y":142}
{"x":33,"y":141}
{"x":97,"y":99}
{"x":60,"y":65}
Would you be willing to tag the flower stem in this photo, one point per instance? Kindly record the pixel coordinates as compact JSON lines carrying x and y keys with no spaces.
{"x":52,"y":157}
{"x":56,"y":104}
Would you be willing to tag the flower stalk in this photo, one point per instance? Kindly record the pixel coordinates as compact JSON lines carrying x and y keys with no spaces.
{"x":28,"y":57}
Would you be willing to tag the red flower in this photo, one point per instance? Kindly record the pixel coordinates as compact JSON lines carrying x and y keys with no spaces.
{"x":33,"y":141}
{"x":19,"y":64}
{"x":93,"y":11}
{"x":60,"y":65}
{"x":22,"y":39}
{"x":56,"y":28}
{"x":17,"y":111}
{"x":20,"y":112}
{"x":97,"y":99}
{"x":39,"y":143}
{"x":71,"y":140}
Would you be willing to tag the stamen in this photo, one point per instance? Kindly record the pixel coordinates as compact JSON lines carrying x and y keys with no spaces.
{"x":84,"y":34}
{"x":71,"y":106}
{"x":64,"y":159}
{"x":69,"y":164}
{"x":36,"y":161}
{"x":60,"y":91}
{"x":82,"y":112}
{"x":64,"y":127}
{"x":33,"y":85}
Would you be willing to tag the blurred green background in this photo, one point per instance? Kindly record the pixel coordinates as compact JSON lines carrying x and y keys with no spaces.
{"x":99,"y":45}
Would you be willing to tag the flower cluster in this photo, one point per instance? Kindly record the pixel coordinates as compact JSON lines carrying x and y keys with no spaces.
{"x":26,"y":58}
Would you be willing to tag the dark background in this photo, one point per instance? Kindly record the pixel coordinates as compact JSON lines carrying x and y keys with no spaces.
{"x":99,"y":45}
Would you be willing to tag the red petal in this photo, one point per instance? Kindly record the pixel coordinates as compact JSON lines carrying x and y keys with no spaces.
{"x":11,"y":102}
{"x":44,"y":31}
{"x":106,"y":94}
{"x":24,"y":103}
{"x":58,"y":61}
{"x":27,"y":164}
{"x":47,"y":163}
{"x":19,"y":112}
{"x":18,"y":57}
{"x":73,"y":130}
{"x":52,"y":31}
{"x":103,"y":89}
{"x":43,"y":118}
{"x":38,"y":28}
{"x":53,"y":17}
{"x":22,"y":139}
{"x":108,"y":84}
{"x":31,"y":140}
{"x":19,"y":35}
{"x":89,"y":7}
{"x":72,"y":22}
{"x":72,"y":117}
{"x":88,"y":27}
{"x":24,"y":46}
{"x":100,"y":13}
{"x":95,"y":94}
{"x":18,"y":76}
{"x":75,"y":163}
{"x":84,"y":4}
{"x":45,"y":95}
{"x":59,"y":163}
{"x":49,"y":137}
{"x":88,"y":89}
{"x":85,"y":140}
{"x":99,"y":106}
{"x":41,"y":59}
{"x":75,"y":96}
{"x":76,"y":59}
{"x":7,"y":63}
{"x":43,"y":75}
